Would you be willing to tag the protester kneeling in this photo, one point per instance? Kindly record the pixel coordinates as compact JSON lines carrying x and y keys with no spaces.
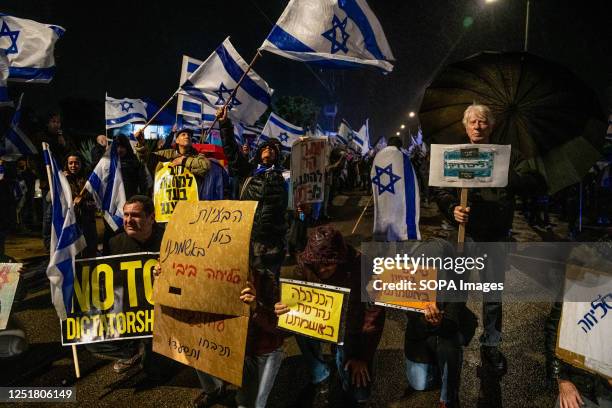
{"x":434,"y":340}
{"x":328,"y":259}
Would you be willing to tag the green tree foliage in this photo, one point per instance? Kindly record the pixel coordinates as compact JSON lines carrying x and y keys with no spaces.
{"x":298,"y":110}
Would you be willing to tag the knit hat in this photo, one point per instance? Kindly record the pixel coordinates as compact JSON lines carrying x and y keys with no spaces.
{"x":325,"y":246}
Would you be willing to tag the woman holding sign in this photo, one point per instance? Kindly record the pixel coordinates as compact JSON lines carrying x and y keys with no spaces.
{"x":329,"y":260}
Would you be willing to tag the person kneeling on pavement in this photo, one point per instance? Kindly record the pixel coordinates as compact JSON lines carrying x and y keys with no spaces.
{"x":434,"y":340}
{"x":329,"y":260}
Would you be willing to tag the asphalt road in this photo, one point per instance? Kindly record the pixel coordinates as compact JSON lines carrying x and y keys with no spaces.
{"x":48,"y":364}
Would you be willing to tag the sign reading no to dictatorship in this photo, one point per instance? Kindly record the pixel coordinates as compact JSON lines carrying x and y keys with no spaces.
{"x":112,"y":299}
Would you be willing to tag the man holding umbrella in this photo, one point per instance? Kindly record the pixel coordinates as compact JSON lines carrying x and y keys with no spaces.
{"x":488,"y":218}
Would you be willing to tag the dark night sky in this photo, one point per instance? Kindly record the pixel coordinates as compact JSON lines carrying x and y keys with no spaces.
{"x":134,"y":48}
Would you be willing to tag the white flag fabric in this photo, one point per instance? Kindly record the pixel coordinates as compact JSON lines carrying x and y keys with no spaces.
{"x":120,"y":112}
{"x":188,"y":106}
{"x":396,"y":197}
{"x":282,"y":130}
{"x":29,"y":47}
{"x":66,"y":237}
{"x":345,"y":133}
{"x":17,"y":142}
{"x":362,"y":138}
{"x":216,"y":78}
{"x":4,"y":73}
{"x":106,"y":186}
{"x":330,"y":33}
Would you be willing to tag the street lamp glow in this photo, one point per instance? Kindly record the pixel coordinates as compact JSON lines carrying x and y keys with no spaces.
{"x":397,"y":133}
{"x":411,"y":114}
{"x":490,"y":1}
{"x":403,"y":127}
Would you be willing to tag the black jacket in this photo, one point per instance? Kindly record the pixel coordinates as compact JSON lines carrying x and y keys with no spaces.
{"x":123,"y":244}
{"x":267,"y":188}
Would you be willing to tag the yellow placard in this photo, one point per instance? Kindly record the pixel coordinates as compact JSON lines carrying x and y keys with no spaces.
{"x":172,"y":185}
{"x":204,"y":257}
{"x":211,"y":343}
{"x":401,"y":288}
{"x":314,"y":310}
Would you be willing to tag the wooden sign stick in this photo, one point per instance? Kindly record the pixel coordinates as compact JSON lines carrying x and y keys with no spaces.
{"x":463,"y":203}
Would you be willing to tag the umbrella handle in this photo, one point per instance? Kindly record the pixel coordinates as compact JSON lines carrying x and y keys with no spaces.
{"x":463,"y":204}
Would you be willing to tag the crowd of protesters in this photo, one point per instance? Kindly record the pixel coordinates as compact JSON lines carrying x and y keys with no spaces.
{"x":433,"y":341}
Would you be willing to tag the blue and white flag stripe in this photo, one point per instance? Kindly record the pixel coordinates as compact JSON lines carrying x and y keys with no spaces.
{"x":396,"y":196}
{"x":66,"y":238}
{"x":216,"y":78}
{"x":4,"y":72}
{"x":17,"y":142}
{"x":106,"y":186}
{"x":120,"y":112}
{"x":282,"y":130}
{"x":188,"y":106}
{"x":330,"y":33}
{"x":29,"y":46}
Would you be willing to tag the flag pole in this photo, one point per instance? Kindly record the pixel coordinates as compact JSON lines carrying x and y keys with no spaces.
{"x":233,"y":94}
{"x":361,"y":216}
{"x":159,"y":111}
{"x":75,"y":358}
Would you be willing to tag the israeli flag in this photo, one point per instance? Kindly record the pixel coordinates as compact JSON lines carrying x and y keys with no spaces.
{"x":215,"y":80}
{"x":188,"y":106}
{"x":120,"y":112}
{"x":396,"y":197}
{"x":29,"y":47}
{"x":66,"y":237}
{"x":345,"y":133}
{"x":330,"y":33}
{"x":245,"y":133}
{"x":106,"y":186}
{"x":362,"y":138}
{"x":17,"y":143}
{"x":4,"y":73}
{"x":282,"y":130}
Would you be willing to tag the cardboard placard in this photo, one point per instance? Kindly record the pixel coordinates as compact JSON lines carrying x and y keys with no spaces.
{"x":469,"y":165}
{"x":211,"y":343}
{"x":585,"y":328}
{"x":173,"y":184}
{"x":315,"y":310}
{"x":399,"y":295}
{"x":308,"y":162}
{"x":112,"y":299}
{"x":204,"y":257}
{"x":9,"y":279}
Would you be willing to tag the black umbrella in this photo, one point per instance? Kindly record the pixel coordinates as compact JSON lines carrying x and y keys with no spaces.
{"x":540,"y":107}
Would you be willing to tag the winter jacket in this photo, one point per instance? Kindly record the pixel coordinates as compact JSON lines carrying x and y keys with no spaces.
{"x":266,"y":186}
{"x":196,"y":163}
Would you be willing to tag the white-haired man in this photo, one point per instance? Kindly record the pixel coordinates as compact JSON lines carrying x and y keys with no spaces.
{"x":488,"y":218}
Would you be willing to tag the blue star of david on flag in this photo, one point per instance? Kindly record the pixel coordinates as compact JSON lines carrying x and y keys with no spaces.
{"x":5,"y":31}
{"x":126,"y":106}
{"x":221,"y":99}
{"x":393,"y":178}
{"x":332,"y":35}
{"x":284,"y":137}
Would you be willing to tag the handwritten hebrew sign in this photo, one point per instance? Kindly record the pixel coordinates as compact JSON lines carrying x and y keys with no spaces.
{"x":403,"y":289}
{"x":172,"y":185}
{"x":315,"y":310}
{"x":308,"y":161}
{"x":469,"y":165}
{"x":9,"y":278}
{"x":204,"y":257}
{"x":208,"y":342}
{"x":585,"y":328}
